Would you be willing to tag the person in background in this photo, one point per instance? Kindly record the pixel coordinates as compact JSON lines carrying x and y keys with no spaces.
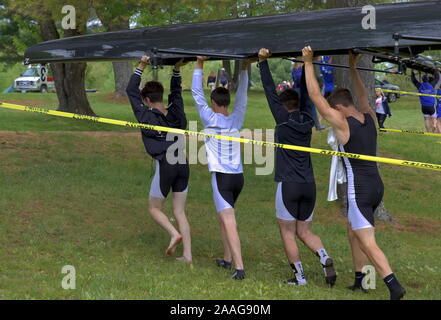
{"x":381,"y":108}
{"x":328,"y":76}
{"x":297,"y":79}
{"x":223,"y":78}
{"x":211,"y":81}
{"x":428,"y":104}
{"x":438,"y":121}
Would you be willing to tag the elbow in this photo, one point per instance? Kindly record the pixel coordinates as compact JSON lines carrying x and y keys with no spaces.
{"x":314,"y":95}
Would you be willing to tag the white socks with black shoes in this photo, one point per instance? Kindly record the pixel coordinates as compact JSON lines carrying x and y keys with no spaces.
{"x":299,"y":276}
{"x":321,"y":253}
{"x":327,"y":264}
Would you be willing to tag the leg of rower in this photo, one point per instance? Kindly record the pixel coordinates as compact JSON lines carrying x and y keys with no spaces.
{"x":179,"y":199}
{"x":226,"y":262}
{"x":367,"y":243}
{"x":155,"y":210}
{"x":232,"y":236}
{"x":288,"y":233}
{"x":314,"y":243}
{"x":359,"y":259}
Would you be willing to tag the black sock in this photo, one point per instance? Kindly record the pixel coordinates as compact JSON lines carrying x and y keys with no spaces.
{"x":358,"y":279}
{"x":392,"y":282}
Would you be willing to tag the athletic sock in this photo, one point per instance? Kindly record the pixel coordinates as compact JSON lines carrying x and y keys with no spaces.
{"x":322,"y":254}
{"x":297,"y":268}
{"x":395,"y":288}
{"x":358,"y":281}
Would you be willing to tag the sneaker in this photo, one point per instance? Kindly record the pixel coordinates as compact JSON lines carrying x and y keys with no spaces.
{"x":330,"y":275}
{"x":295,"y":282}
{"x":238,"y":275}
{"x":223,"y":264}
{"x":397,"y":294}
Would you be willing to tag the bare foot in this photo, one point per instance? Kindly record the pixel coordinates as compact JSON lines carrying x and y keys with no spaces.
{"x":173,"y":244}
{"x":184,"y":259}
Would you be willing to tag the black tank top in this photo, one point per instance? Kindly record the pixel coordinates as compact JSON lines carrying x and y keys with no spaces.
{"x":362,"y":140}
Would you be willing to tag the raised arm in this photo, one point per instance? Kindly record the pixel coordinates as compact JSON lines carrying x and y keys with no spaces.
{"x":359,"y":88}
{"x":175,"y":96}
{"x":305,"y":100}
{"x":277,"y":109}
{"x":205,"y":112}
{"x":416,"y":83}
{"x":334,"y":117}
{"x":436,"y":83}
{"x":133,"y":92}
{"x":240,"y":103}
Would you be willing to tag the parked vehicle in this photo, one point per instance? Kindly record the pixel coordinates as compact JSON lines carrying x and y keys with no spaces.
{"x":391,"y":96}
{"x":36,"y":78}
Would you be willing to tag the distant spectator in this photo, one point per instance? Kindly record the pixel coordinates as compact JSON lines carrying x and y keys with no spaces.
{"x":223,"y":78}
{"x":211,"y":81}
{"x":328,"y":76}
{"x":297,"y":78}
{"x":381,"y":108}
{"x":428,"y":103}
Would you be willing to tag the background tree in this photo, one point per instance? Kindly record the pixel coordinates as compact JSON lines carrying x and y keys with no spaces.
{"x":69,"y":78}
{"x":115,"y":16}
{"x":15,"y":35}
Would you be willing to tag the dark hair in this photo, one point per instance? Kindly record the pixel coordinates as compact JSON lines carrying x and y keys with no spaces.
{"x":153,"y":90}
{"x":290,"y":99}
{"x":341,"y":96}
{"x":221,"y":96}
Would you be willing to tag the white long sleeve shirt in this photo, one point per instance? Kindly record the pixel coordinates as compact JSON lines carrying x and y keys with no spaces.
{"x":222,"y":155}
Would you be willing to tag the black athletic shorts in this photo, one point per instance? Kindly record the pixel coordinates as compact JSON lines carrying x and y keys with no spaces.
{"x":169,"y":176}
{"x":428,"y":111}
{"x":295,"y":201}
{"x":226,"y":189}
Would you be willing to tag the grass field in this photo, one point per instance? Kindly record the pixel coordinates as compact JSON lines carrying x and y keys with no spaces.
{"x":75,"y":193}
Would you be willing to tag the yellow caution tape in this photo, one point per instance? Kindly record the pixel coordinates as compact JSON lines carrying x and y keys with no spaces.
{"x":411,"y":131}
{"x":414,"y":164}
{"x":409,"y":93}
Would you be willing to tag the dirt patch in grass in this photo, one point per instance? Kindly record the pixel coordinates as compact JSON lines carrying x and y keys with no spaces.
{"x":25,"y":217}
{"x":111,"y":97}
{"x":418,"y":225}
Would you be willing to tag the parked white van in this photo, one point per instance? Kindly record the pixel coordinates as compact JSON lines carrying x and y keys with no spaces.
{"x":35,"y":78}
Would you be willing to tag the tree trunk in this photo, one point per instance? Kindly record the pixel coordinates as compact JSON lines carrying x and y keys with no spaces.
{"x":121,"y":70}
{"x":343,"y":80}
{"x":69,"y":78}
{"x":237,"y":66}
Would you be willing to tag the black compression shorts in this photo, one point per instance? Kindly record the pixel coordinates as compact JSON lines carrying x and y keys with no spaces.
{"x":226,"y":189}
{"x":295,"y":201}
{"x":169,"y":176}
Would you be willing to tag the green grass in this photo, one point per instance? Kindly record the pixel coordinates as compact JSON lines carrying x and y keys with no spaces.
{"x":81,"y":199}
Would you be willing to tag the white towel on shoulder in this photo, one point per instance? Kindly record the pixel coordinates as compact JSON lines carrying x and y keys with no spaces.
{"x":337,"y":172}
